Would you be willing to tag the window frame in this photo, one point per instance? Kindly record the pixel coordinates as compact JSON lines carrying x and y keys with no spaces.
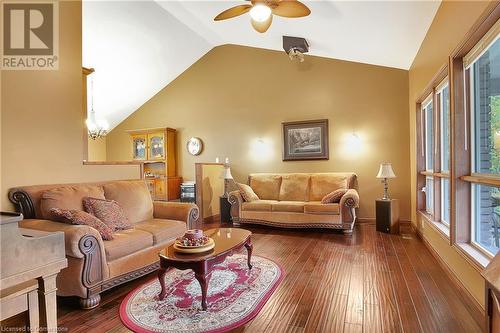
{"x":443,"y":208}
{"x":472,"y":130}
{"x":428,"y":102}
{"x":433,"y":95}
{"x":461,"y":176}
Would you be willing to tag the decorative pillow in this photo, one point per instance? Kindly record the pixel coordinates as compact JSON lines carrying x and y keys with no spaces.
{"x":108,"y":211}
{"x":247,"y":193}
{"x":68,"y":197}
{"x":74,"y":216}
{"x":334,"y":197}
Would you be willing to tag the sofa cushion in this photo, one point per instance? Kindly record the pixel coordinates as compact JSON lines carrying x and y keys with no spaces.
{"x":80,"y":217}
{"x":68,"y":198}
{"x":163,"y":230}
{"x":294,"y":187}
{"x":266,"y":186}
{"x":126,"y":242}
{"x":133,"y":197}
{"x":334,"y":197}
{"x":108,"y":211}
{"x":247,"y":193}
{"x":316,"y":207}
{"x":258,"y":205}
{"x":288,"y":206}
{"x":324,"y":183}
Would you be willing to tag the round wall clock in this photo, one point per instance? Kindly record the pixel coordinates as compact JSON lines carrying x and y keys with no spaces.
{"x":194,"y":146}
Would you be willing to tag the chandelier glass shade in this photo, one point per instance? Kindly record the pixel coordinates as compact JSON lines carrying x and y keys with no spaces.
{"x":97,"y":128}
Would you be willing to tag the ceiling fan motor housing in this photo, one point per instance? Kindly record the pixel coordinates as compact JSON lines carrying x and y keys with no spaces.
{"x":298,"y":43}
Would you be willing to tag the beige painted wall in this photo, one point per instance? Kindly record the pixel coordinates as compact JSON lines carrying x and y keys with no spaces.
{"x":453,"y":20}
{"x":42,"y":122}
{"x":97,"y":149}
{"x":235,"y":95}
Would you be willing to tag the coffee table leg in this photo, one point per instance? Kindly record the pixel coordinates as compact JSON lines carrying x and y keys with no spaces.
{"x":203,"y":280}
{"x":161,"y":276}
{"x":249,"y":247}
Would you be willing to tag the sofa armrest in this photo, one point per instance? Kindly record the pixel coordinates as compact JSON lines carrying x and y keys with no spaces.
{"x":87,"y":265}
{"x":73,"y":234}
{"x":348,"y":204}
{"x":235,"y":199}
{"x":179,"y":211}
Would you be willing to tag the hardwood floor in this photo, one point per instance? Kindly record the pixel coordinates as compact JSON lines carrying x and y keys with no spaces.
{"x":370,"y":282}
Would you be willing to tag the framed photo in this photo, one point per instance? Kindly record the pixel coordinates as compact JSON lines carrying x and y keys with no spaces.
{"x":305,"y":140}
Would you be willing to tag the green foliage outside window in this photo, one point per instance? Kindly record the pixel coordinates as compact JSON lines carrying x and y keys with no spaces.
{"x":495,"y":134}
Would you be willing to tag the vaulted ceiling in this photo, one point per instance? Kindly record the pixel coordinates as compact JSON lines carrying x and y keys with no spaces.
{"x":138,"y":47}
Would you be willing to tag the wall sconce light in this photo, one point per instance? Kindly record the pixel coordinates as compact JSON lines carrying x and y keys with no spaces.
{"x":353,"y":142}
{"x":260,"y":149}
{"x":351,"y":145}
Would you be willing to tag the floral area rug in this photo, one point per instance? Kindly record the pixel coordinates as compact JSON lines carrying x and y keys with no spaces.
{"x":235,"y":296}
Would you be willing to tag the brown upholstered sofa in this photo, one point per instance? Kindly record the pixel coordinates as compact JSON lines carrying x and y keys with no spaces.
{"x":95,"y":265}
{"x":294,"y":201}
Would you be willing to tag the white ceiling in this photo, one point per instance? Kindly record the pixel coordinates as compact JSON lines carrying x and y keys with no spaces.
{"x":139,"y":47}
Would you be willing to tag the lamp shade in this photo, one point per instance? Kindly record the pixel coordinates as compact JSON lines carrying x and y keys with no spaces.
{"x":386,"y":171}
{"x":226,"y":174}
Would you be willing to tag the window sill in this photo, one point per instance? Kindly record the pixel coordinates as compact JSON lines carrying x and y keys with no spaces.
{"x":440,"y":227}
{"x":477,"y":258}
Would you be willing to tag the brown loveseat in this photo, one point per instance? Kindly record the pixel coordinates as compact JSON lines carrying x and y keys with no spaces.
{"x":95,"y":265}
{"x":294,"y":201}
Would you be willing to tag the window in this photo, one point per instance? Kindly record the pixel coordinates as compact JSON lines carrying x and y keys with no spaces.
{"x":435,"y":152}
{"x":483,"y":72}
{"x":443,"y":97}
{"x":429,"y":195}
{"x":445,"y":201}
{"x":485,"y":102}
{"x":486,"y":217}
{"x":468,"y":129}
{"x":429,"y":136}
{"x":444,"y":102}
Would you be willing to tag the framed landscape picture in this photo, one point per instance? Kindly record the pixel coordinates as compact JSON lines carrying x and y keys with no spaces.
{"x":305,"y":140}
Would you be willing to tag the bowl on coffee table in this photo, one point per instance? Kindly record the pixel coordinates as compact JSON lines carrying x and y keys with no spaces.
{"x":194,"y":241}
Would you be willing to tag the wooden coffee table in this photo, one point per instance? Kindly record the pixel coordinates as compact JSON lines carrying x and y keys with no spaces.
{"x":227,"y":241}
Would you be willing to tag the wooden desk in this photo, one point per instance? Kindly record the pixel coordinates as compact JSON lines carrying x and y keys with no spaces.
{"x":28,"y":255}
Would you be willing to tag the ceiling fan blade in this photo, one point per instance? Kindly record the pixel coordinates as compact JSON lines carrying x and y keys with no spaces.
{"x":262,"y":26}
{"x":291,"y":8}
{"x":233,"y":12}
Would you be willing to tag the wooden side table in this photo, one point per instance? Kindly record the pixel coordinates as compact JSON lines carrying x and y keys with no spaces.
{"x":225,"y":210}
{"x":387,"y":213}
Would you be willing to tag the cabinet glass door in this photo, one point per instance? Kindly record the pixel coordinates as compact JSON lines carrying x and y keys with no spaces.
{"x":156,"y":146}
{"x":139,"y":147}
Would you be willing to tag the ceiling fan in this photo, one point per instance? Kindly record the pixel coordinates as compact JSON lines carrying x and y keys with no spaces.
{"x":262,"y":11}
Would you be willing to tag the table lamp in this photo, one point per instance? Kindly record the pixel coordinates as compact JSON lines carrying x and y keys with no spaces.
{"x":226,"y":175}
{"x":385,"y":172}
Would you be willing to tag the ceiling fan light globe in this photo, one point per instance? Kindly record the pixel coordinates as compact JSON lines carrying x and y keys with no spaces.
{"x":260,"y":12}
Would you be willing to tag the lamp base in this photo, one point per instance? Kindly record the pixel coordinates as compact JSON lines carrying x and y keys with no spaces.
{"x":386,"y":190}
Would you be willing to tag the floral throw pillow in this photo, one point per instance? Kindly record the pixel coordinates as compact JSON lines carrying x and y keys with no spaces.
{"x":334,"y":197}
{"x":80,"y":217}
{"x":108,"y":211}
{"x":247,"y":192}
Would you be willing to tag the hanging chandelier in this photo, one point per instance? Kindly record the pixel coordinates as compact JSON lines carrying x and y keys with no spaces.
{"x":97,"y":128}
